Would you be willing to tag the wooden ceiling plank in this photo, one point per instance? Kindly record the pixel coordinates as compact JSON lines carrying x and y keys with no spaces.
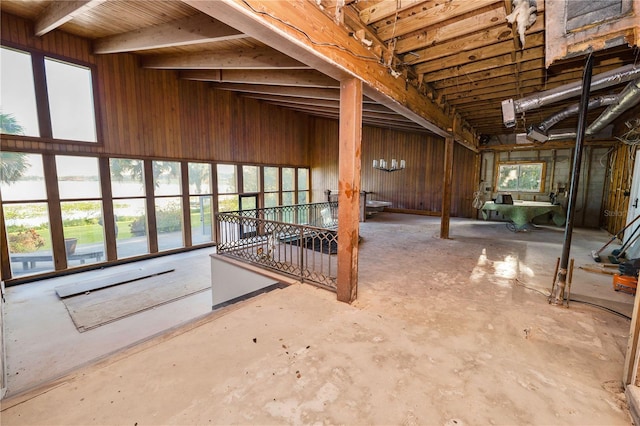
{"x":464,"y":57}
{"x":259,"y":58}
{"x":385,"y":9}
{"x":484,"y":44}
{"x":192,"y":30}
{"x":60,"y":12}
{"x":429,"y":16}
{"x":447,"y":31}
{"x":334,"y":52}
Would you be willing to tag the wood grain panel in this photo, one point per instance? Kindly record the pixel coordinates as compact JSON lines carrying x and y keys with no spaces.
{"x":417,"y":188}
{"x":153,"y":114}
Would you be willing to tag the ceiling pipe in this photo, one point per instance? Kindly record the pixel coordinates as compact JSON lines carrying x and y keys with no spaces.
{"x":620,"y":75}
{"x":627,"y":99}
{"x":540,"y":132}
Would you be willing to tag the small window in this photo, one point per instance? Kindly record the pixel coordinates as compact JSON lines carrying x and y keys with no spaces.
{"x":521,"y":177}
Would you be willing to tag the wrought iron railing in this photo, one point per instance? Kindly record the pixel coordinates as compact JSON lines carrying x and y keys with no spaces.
{"x":299,"y":240}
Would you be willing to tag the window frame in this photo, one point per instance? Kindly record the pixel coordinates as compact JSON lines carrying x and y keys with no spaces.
{"x":42,"y":97}
{"x":543,"y":171}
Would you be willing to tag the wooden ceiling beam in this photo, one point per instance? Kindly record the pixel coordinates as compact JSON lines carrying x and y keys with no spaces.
{"x":335,"y":52}
{"x":322,"y":103}
{"x":290,"y":91}
{"x":59,"y":13}
{"x":426,"y":16}
{"x":259,"y":58}
{"x":335,"y":110}
{"x":409,"y":127}
{"x":292,"y":78}
{"x":445,"y":31}
{"x":191,"y":30}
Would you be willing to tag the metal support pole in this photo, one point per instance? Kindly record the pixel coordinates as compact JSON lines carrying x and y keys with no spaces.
{"x":557,"y":296}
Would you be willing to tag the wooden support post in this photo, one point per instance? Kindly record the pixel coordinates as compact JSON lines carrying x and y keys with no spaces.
{"x":349,"y":156}
{"x":447,"y":182}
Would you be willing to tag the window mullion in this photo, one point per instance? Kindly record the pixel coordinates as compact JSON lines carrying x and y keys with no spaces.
{"x":55,"y":212}
{"x":42,"y":97}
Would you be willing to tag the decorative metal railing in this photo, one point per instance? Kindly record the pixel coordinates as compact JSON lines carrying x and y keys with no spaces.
{"x":299,"y":240}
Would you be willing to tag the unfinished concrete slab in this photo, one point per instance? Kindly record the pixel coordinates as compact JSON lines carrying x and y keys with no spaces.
{"x":452,"y":331}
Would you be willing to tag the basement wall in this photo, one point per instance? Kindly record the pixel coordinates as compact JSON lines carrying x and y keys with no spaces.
{"x":417,"y":189}
{"x":592,"y":188}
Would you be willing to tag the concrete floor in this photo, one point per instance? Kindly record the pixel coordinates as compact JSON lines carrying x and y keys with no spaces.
{"x":448,"y":332}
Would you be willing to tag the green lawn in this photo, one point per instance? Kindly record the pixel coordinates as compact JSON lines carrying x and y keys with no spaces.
{"x":89,"y":234}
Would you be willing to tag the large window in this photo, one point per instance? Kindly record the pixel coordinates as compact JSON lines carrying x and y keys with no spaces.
{"x":60,"y":207}
{"x":303,"y":186}
{"x":168,"y":204}
{"x":521,"y":177}
{"x":69,"y":113}
{"x":288,"y":186}
{"x":70,"y":93}
{"x":129,"y":206}
{"x":81,"y":206}
{"x":18,"y":110}
{"x":228,"y":188}
{"x":271,"y":186}
{"x":200,"y":203}
{"x":26,"y":213}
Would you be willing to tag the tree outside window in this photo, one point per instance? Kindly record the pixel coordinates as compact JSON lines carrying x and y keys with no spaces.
{"x":521,"y":177}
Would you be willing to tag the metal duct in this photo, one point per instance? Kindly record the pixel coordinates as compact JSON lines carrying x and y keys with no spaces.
{"x":606,"y":79}
{"x":594,"y":102}
{"x":620,"y":75}
{"x":629,"y":98}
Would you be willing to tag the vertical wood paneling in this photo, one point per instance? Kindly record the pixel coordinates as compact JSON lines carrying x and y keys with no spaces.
{"x":151,"y":113}
{"x":418,"y":187}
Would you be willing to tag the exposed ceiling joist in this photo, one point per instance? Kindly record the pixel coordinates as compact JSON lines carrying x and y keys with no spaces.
{"x":191,"y":30}
{"x":433,"y":15}
{"x":61,"y":12}
{"x":334,"y":52}
{"x":258,"y":58}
